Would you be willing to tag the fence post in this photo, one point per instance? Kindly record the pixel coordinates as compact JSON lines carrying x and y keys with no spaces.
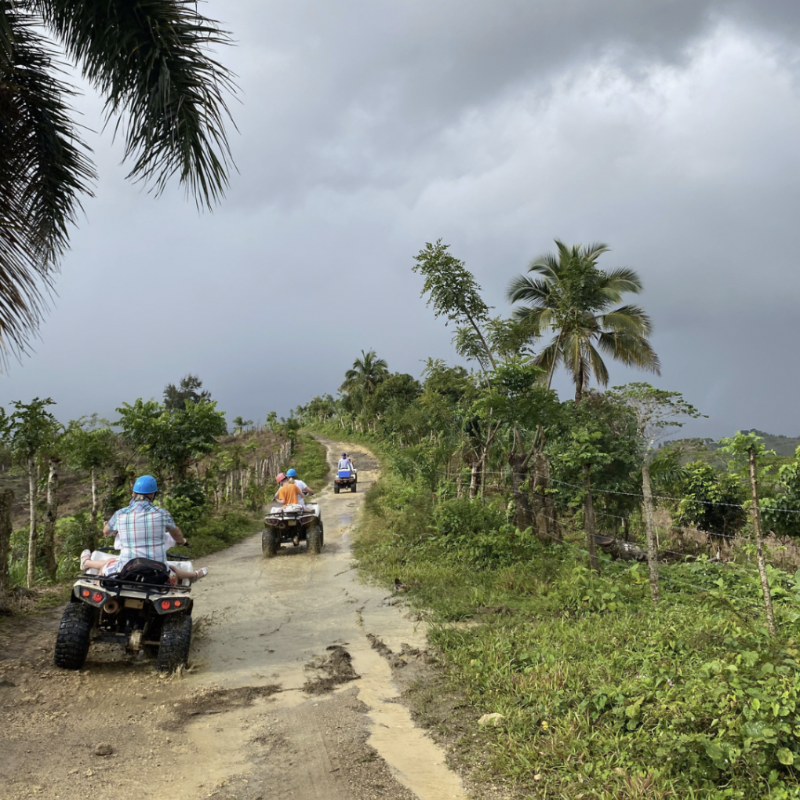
{"x":762,"y":566}
{"x":652,"y":549}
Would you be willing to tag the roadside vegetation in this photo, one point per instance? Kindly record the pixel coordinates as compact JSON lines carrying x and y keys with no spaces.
{"x":60,"y":482}
{"x":628,"y":603}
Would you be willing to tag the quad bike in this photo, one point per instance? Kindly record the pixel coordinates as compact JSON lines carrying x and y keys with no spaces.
{"x":138,"y":608}
{"x":345,"y":479}
{"x":294,"y":524}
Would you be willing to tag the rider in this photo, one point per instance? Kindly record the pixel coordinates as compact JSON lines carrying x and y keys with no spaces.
{"x":292,"y":473}
{"x":143,"y":531}
{"x":289,"y":492}
{"x":346,"y":463}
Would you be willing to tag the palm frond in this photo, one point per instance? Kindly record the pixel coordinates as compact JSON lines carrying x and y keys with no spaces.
{"x":621,"y":281}
{"x":549,"y":357}
{"x":529,"y":290}
{"x":631,"y":349}
{"x":152,"y":61}
{"x":598,"y":366}
{"x":43,"y":169}
{"x":627,"y":319}
{"x":594,"y":250}
{"x":546,"y":265}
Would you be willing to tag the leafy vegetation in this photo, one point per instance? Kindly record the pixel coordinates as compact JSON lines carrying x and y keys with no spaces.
{"x":215,"y":485}
{"x":500,"y":509}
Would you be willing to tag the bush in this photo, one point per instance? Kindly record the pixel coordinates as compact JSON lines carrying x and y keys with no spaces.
{"x":187,"y":503}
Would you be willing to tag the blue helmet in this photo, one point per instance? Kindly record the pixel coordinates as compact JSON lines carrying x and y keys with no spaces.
{"x":291,"y":473}
{"x":146,"y":484}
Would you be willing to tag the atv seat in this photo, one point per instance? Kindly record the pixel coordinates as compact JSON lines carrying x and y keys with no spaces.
{"x":143,"y":570}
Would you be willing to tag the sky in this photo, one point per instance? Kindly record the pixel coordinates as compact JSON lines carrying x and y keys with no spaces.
{"x":669,"y":130}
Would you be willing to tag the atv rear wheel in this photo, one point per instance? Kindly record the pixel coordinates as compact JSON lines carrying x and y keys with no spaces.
{"x":336,"y":488}
{"x":176,"y":638}
{"x":353,"y":487}
{"x":314,"y":539}
{"x":72,"y":641}
{"x":269,"y":542}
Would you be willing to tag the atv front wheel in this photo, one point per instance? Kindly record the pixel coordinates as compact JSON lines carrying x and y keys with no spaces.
{"x":176,"y":638}
{"x":72,"y":641}
{"x":314,"y":538}
{"x":269,"y":542}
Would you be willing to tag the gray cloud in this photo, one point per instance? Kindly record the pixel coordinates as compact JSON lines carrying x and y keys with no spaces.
{"x":668,"y":129}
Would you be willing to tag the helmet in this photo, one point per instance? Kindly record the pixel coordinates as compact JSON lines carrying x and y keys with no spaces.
{"x":291,"y":473}
{"x":146,"y":484}
{"x":280,"y":477}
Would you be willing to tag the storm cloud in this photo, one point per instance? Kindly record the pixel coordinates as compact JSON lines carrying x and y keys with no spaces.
{"x":667,"y":129}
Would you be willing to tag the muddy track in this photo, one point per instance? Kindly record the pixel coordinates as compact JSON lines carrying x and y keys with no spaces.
{"x":286,"y":696}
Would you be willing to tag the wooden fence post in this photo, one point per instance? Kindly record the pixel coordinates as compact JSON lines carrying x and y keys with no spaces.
{"x":762,"y":566}
{"x":588,"y":517}
{"x":652,"y":549}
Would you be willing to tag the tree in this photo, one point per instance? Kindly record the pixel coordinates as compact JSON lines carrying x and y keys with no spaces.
{"x":240,"y":424}
{"x":89,"y":447}
{"x":594,"y":446}
{"x":655,"y":411}
{"x":746,"y":449}
{"x":170,"y":440}
{"x":285,"y":427}
{"x":152,"y":61}
{"x":27,"y":432}
{"x":190,"y":388}
{"x":575,"y":299}
{"x":361,"y":381}
{"x":453,"y":291}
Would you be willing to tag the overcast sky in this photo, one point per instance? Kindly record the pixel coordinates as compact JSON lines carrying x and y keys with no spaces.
{"x":669,"y":129}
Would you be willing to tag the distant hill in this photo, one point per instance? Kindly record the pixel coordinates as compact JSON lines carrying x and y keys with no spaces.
{"x":782,"y":445}
{"x":706,"y":449}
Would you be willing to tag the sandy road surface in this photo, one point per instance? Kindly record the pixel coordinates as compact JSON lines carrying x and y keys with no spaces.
{"x":286,"y":695}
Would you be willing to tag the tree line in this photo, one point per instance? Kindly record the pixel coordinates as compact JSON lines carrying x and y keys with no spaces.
{"x":177,"y":441}
{"x":495,"y":430}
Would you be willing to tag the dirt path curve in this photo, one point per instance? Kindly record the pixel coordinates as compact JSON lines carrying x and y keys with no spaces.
{"x":287,"y":695}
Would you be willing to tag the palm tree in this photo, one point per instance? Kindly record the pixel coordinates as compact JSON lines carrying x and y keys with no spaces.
{"x":367,"y":372}
{"x":152,"y":61}
{"x":575,"y":300}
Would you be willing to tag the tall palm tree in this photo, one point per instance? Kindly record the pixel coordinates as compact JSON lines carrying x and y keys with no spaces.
{"x":153,"y":63}
{"x":367,"y":372}
{"x":566,"y":293}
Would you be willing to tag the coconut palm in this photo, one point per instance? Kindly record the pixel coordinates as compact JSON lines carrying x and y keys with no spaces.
{"x":367,"y":372}
{"x":152,"y":62}
{"x":566,"y":293}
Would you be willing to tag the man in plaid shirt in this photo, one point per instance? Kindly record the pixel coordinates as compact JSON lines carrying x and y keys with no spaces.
{"x":142,"y":530}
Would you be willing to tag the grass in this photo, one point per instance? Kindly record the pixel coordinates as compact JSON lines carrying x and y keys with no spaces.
{"x":602,"y":695}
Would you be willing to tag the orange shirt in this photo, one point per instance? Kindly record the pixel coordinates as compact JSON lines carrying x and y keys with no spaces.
{"x":290,"y":493}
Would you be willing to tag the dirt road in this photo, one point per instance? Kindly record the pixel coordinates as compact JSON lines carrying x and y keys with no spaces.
{"x":289,"y":692}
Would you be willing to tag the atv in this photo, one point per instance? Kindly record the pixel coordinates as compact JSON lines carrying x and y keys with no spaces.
{"x":345,"y":479}
{"x":292,"y":523}
{"x":137,"y":608}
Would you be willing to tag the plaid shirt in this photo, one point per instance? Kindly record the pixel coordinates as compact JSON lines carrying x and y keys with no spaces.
{"x":142,"y":530}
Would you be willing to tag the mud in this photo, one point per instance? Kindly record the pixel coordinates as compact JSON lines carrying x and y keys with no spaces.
{"x":285,"y":695}
{"x":333,"y":670}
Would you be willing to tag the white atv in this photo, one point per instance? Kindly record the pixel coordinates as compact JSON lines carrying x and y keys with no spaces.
{"x":292,"y":523}
{"x":137,"y":608}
